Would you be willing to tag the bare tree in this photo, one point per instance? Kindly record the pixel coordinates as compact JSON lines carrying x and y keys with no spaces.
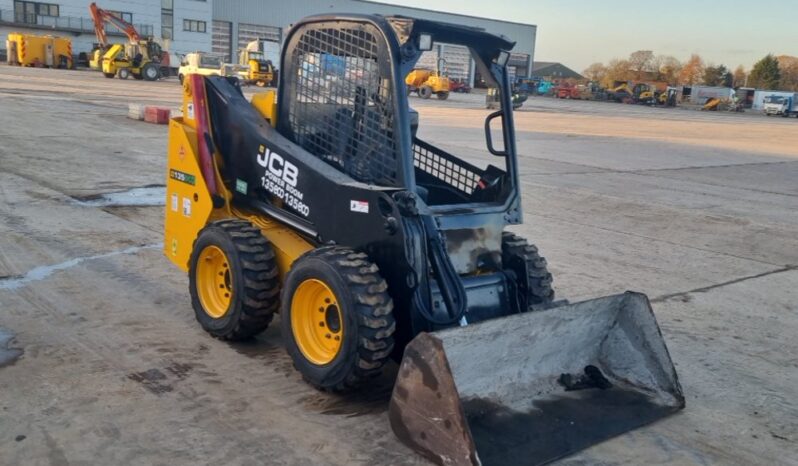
{"x":693,"y":71}
{"x":739,"y":76}
{"x":595,"y":72}
{"x":788,"y":66}
{"x":668,"y":67}
{"x":642,"y":60}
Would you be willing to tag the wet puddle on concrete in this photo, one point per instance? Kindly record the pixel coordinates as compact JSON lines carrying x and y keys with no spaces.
{"x":43,"y":271}
{"x":140,"y":197}
{"x":8,"y":355}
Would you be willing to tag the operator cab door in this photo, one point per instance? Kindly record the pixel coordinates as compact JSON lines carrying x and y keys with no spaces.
{"x":338,"y":100}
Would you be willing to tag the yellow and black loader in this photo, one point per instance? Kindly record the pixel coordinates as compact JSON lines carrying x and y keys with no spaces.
{"x":320,"y":203}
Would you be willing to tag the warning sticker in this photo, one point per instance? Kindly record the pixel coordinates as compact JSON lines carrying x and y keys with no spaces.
{"x":359,"y":206}
{"x":174,"y":202}
{"x":187,"y":207}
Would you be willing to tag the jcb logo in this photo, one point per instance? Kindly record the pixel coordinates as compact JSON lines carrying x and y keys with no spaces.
{"x":278,"y":166}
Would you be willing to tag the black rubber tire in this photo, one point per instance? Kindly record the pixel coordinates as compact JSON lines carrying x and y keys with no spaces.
{"x":518,"y":255}
{"x":366,"y":308}
{"x":151,"y":72}
{"x":109,"y":75}
{"x":425,"y":92}
{"x":123,"y":73}
{"x":255,"y":284}
{"x":443,"y":95}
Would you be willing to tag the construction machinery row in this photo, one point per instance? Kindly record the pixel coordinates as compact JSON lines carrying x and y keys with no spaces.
{"x":320,"y":202}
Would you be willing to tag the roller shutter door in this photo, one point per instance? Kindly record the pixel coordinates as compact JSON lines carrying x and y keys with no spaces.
{"x":221,"y":39}
{"x":249,"y":32}
{"x":458,"y":60}
{"x":519,"y":61}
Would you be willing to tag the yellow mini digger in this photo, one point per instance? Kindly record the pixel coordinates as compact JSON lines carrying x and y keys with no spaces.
{"x":322,"y":203}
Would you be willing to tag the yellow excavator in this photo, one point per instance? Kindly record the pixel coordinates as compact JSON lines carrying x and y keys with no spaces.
{"x":320,"y":202}
{"x":141,"y":58}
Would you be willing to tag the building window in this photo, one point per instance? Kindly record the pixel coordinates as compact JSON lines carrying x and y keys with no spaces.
{"x":193,"y":25}
{"x":167,"y":19}
{"x":127,"y":17}
{"x":26,"y":12}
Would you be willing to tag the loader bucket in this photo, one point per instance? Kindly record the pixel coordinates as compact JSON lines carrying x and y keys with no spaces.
{"x":531,"y":388}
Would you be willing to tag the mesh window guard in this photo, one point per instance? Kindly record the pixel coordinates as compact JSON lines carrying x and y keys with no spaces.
{"x":455,"y":172}
{"x":340,"y":104}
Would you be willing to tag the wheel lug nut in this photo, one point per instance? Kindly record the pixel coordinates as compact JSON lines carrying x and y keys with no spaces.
{"x":321,"y":309}
{"x":327,"y":300}
{"x":337,"y":338}
{"x":221,"y":286}
{"x":321,"y":324}
{"x":328,"y":336}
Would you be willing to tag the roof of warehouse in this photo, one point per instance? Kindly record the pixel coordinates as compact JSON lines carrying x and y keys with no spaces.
{"x":448,"y":13}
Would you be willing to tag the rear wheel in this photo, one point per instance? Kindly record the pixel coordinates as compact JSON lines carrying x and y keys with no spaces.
{"x":336,"y":318}
{"x":531,"y":270}
{"x":233,"y":280}
{"x":443,"y":95}
{"x":425,"y":92}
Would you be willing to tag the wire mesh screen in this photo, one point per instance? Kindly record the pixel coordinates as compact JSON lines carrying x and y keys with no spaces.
{"x":340,"y":101}
{"x":455,"y":172}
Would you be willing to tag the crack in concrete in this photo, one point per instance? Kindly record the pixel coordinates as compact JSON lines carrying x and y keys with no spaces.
{"x":43,"y":271}
{"x":704,"y":289}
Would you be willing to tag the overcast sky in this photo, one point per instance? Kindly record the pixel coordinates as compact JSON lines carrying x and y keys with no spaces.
{"x":580,"y":32}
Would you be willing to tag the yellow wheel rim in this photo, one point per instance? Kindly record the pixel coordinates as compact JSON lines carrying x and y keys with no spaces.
{"x":214,"y":281}
{"x":316,"y":321}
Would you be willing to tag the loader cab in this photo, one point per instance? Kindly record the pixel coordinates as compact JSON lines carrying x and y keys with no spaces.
{"x":344,"y":100}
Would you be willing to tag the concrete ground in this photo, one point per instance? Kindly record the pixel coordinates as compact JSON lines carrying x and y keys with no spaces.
{"x":697,"y":210}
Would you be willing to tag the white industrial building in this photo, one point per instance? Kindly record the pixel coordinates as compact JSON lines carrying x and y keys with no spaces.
{"x":224,"y":26}
{"x":236,"y":22}
{"x":180,"y":25}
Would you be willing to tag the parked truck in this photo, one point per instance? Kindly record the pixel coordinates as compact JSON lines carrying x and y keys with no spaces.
{"x":206,"y":64}
{"x":43,"y":51}
{"x":785,"y":106}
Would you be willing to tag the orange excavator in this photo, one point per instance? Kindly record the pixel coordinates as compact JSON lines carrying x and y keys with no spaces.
{"x":141,"y":57}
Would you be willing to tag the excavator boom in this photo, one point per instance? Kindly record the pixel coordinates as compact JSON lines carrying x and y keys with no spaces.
{"x":100,"y":16}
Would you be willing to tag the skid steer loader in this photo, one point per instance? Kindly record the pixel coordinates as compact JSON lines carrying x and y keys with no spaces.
{"x":327,"y":206}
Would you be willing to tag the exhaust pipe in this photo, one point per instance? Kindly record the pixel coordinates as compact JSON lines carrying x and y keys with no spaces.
{"x":531,"y":388}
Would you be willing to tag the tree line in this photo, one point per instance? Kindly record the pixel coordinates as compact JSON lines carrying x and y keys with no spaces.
{"x":771,"y":72}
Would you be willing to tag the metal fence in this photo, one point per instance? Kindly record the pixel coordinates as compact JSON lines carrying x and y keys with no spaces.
{"x":63,"y":23}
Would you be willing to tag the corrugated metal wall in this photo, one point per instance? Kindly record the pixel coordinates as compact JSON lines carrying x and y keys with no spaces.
{"x":282,"y":14}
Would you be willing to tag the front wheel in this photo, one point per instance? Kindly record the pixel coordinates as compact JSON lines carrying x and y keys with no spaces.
{"x":336,"y":318}
{"x":123,"y":73}
{"x":531,"y":270}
